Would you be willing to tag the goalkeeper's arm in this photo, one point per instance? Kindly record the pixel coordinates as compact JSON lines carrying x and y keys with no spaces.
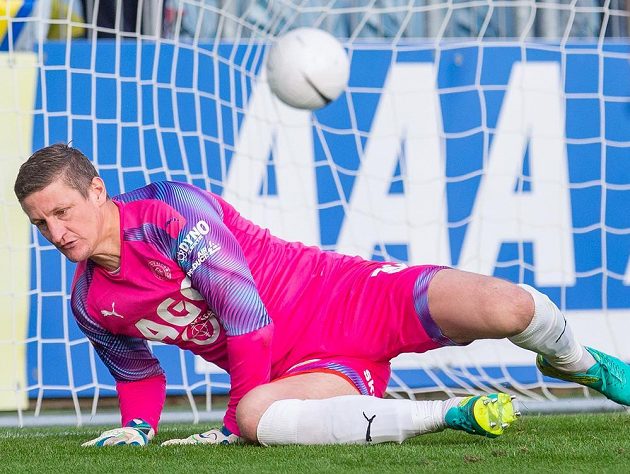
{"x":141,"y":404}
{"x":142,"y":399}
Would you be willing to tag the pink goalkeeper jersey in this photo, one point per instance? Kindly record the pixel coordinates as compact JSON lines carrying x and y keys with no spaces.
{"x":196,"y":274}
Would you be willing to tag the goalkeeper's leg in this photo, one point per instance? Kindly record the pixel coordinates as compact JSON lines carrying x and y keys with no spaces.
{"x":289,"y":411}
{"x":467,"y":306}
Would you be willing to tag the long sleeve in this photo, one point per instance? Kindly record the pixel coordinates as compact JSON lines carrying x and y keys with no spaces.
{"x":142,"y":399}
{"x":251,"y":366}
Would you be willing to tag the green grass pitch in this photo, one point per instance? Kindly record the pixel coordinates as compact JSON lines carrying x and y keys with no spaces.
{"x":594,"y":443}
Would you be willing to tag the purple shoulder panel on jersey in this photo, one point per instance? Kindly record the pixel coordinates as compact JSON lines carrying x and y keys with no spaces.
{"x":207,"y":252}
{"x":152,"y":234}
{"x":127,"y":358}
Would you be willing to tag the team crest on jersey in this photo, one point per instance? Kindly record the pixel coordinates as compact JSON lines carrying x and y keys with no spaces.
{"x":160,"y":270}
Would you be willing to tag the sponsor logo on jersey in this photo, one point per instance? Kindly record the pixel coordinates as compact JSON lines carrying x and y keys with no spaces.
{"x":160,"y":270}
{"x":389,"y":268}
{"x":202,"y":256}
{"x":113,"y":312}
{"x":185,"y":317}
{"x":370,"y":381}
{"x":192,"y":240}
{"x":204,"y":330}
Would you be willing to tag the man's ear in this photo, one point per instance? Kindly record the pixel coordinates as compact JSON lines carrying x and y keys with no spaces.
{"x":99,"y":190}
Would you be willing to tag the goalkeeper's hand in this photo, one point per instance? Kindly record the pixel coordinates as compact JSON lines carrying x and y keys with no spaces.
{"x":214,"y":436}
{"x":136,"y":433}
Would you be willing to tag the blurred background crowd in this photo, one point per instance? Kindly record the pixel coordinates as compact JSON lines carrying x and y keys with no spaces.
{"x":207,"y":20}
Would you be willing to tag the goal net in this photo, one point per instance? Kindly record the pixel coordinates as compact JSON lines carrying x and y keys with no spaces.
{"x":492,"y":136}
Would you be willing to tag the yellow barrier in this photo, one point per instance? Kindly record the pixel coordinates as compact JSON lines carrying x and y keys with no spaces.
{"x":8,"y":10}
{"x":18,"y":80}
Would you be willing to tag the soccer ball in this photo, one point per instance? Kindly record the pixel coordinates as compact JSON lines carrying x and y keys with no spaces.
{"x":307,"y":68}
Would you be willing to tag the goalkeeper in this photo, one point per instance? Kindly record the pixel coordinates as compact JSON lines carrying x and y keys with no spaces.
{"x":305,"y":335}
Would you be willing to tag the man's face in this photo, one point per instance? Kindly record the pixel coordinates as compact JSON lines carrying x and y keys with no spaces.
{"x":69,"y":221}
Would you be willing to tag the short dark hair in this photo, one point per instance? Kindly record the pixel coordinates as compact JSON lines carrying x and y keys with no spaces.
{"x":50,"y":163}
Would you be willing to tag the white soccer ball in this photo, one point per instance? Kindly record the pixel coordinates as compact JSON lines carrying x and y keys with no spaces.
{"x":307,"y":68}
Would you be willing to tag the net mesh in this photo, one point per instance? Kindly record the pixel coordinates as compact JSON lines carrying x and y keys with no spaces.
{"x":487,"y":135}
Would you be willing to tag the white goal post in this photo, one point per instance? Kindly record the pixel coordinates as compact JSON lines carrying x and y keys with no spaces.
{"x":492,"y":136}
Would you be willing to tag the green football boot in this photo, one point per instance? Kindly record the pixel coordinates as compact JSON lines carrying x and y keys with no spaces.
{"x":485,"y":415}
{"x":609,"y":375}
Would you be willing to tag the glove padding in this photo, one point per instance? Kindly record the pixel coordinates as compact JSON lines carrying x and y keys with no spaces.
{"x":214,"y":436}
{"x":136,"y":433}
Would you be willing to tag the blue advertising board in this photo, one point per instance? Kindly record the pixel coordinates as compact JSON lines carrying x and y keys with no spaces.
{"x":434,"y":128}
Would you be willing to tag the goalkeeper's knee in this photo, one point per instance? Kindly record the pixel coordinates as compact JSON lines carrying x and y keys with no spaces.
{"x":249,"y":412}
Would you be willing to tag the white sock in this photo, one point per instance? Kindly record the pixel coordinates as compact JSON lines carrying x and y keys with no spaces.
{"x":549,"y":334}
{"x":350,"y":419}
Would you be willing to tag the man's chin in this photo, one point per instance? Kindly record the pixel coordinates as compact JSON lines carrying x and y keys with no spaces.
{"x":74,"y":257}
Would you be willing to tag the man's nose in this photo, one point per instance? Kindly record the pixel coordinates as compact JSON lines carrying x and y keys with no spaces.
{"x":57,"y":231}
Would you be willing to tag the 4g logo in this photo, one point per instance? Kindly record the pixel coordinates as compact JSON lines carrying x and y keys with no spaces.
{"x":179,"y":314}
